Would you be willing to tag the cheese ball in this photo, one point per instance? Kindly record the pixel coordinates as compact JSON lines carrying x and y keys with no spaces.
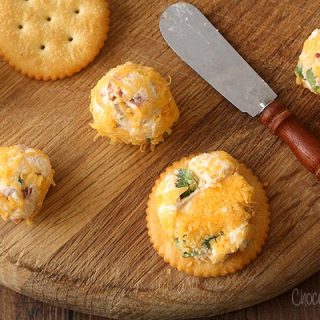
{"x":133,"y":104}
{"x":25,"y":177}
{"x":208,"y":215}
{"x":308,"y":67}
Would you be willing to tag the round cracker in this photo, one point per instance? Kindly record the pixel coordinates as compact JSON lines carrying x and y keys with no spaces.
{"x":52,"y":39}
{"x":166,"y":248}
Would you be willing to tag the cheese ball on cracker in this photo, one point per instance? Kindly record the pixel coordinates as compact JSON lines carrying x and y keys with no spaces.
{"x":25,"y":177}
{"x":208,"y":215}
{"x":133,"y":104}
{"x":308,"y":67}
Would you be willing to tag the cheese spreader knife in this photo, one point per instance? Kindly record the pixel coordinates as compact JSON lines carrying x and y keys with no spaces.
{"x":191,"y":35}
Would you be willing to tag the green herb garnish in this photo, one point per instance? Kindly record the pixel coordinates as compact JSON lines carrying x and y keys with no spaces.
{"x":206,"y":243}
{"x":312,"y":80}
{"x":193,"y":253}
{"x":148,"y":140}
{"x":299,"y":72}
{"x":178,"y":241}
{"x":20,"y":180}
{"x":186,"y":179}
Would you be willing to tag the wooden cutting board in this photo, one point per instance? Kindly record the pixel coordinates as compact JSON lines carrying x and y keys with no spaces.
{"x":89,"y":249}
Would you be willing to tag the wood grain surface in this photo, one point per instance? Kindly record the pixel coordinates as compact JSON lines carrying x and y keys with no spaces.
{"x":89,"y":249}
{"x":18,"y":307}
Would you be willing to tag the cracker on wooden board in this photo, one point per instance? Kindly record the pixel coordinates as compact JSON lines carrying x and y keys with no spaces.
{"x":52,"y":39}
{"x":166,"y":248}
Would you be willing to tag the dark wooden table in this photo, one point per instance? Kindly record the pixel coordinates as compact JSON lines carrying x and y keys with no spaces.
{"x":19,"y":307}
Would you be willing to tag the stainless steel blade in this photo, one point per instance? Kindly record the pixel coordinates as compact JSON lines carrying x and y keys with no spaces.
{"x":191,"y":35}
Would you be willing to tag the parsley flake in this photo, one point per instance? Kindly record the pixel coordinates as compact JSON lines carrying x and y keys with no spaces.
{"x":192,"y":253}
{"x":312,"y":80}
{"x":186,"y":179}
{"x":299,"y":72}
{"x":207,"y":242}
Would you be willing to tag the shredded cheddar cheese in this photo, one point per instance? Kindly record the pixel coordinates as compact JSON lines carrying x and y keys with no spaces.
{"x":25,"y":177}
{"x":213,"y":220}
{"x":133,"y":104}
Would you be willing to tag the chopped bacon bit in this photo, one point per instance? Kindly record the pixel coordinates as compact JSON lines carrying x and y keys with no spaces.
{"x":27,"y":192}
{"x":137,"y":99}
{"x":112,"y":92}
{"x":119,"y":92}
{"x":317,"y":55}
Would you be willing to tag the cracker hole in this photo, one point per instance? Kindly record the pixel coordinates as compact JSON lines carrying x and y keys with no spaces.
{"x":42,"y":47}
{"x":77,"y":11}
{"x":48,"y":18}
{"x":70,"y":39}
{"x":20,"y":26}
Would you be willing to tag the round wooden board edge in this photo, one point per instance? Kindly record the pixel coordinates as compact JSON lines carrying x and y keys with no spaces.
{"x":23,"y":274}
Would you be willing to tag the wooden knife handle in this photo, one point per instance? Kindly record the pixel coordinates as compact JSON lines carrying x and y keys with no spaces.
{"x":302,"y":142}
